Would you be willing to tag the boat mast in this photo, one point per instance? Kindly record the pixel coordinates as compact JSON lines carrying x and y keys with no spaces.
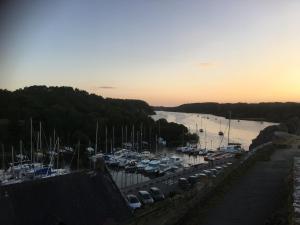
{"x":3,"y":158}
{"x":156,"y":144}
{"x":21,"y":152}
{"x":113,"y":138}
{"x":37,"y":143}
{"x":54,"y":139}
{"x":96,"y":138}
{"x":111,"y":146}
{"x":126,"y":133}
{"x":78,"y":155}
{"x":201,"y":121}
{"x":229,"y":122}
{"x":141,"y":137}
{"x":122,"y":136}
{"x":205,"y":140}
{"x":137,"y":141}
{"x":40,"y":136}
{"x":106,"y":139}
{"x":133,"y":136}
{"x":12,"y":160}
{"x":31,"y":139}
{"x":57,"y":152}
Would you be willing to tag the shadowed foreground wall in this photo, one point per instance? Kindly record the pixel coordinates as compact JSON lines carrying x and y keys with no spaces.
{"x":75,"y":199}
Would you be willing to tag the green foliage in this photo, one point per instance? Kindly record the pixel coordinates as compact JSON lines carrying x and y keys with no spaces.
{"x":73,"y":114}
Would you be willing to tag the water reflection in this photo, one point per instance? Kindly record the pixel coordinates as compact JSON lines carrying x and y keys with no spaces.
{"x":241,"y":131}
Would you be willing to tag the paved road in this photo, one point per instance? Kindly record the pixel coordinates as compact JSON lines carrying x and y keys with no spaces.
{"x":253,"y":197}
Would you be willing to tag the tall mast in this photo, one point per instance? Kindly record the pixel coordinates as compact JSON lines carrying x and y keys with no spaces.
{"x":156,"y":144}
{"x":21,"y":152}
{"x":78,"y":155}
{"x":205,"y":140}
{"x":40,"y":136}
{"x":54,"y":139}
{"x":141,"y":136}
{"x":3,"y":158}
{"x":37,"y":143}
{"x":126,"y":133}
{"x":133,"y":136}
{"x":137,"y":141}
{"x":96,"y":138}
{"x":31,"y":140}
{"x":12,"y":159}
{"x":201,"y":121}
{"x":229,"y":127}
{"x":122,"y":136}
{"x":113,"y":138}
{"x":111,"y":146}
{"x":57,"y":152}
{"x":51,"y":143}
{"x":106,"y":139}
{"x":158,"y":128}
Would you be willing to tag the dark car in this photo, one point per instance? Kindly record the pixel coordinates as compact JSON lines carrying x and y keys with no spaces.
{"x":145,"y":197}
{"x":156,"y":194}
{"x":133,"y":202}
{"x":193,"y":179}
{"x":183,"y":183}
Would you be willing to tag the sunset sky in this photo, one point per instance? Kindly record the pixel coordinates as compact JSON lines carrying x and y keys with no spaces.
{"x":165,"y":52}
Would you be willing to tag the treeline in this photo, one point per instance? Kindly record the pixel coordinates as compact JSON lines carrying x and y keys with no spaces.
{"x":272,"y":112}
{"x":74,"y":113}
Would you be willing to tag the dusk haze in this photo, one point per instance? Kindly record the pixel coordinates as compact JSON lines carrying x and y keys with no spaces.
{"x":150,"y":112}
{"x":164,"y":52}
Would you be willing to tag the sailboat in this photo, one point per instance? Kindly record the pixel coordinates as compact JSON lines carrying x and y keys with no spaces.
{"x":231,"y":147}
{"x":221,"y":132}
{"x":201,"y":129}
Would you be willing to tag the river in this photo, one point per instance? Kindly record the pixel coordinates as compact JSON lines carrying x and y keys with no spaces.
{"x":241,"y":131}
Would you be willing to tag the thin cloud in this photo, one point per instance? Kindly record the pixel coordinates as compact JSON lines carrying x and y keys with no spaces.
{"x":107,"y":87}
{"x":206,"y":65}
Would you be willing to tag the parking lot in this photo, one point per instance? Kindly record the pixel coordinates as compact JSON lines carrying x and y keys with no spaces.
{"x":169,"y":184}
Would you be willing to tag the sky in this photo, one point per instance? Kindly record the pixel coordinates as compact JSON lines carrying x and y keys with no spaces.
{"x":166,"y":52}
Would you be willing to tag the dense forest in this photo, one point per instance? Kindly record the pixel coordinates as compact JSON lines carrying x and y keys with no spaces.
{"x":74,"y":113}
{"x":272,"y":112}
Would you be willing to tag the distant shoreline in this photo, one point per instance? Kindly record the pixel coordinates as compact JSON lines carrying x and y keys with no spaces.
{"x":244,"y":119}
{"x":274,"y":112}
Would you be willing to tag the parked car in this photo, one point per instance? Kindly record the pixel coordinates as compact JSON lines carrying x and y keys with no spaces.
{"x":214,"y":171}
{"x":183,"y":183}
{"x":156,"y":194}
{"x":202,"y":176}
{"x":133,"y":202}
{"x":193,"y":179}
{"x":208,"y":173}
{"x":145,"y":197}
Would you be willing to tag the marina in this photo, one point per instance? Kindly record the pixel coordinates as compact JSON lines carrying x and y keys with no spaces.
{"x":134,"y":163}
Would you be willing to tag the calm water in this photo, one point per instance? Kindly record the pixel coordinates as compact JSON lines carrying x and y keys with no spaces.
{"x":242,"y":131}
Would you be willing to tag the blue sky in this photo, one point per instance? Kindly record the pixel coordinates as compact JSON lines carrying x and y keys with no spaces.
{"x":165,"y":52}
